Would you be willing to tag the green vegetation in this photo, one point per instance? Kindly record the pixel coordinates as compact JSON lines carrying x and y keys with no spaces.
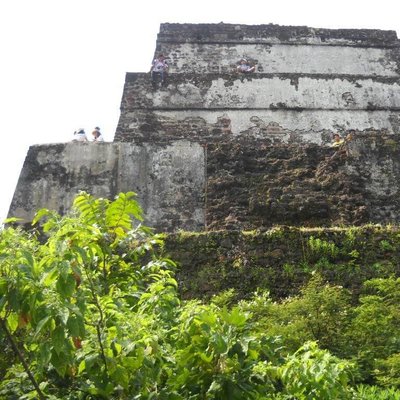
{"x":90,"y":310}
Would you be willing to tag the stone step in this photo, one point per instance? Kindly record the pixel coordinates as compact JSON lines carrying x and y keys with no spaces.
{"x":276,"y":126}
{"x":262,"y":91}
{"x":273,"y":33}
{"x":204,"y":58}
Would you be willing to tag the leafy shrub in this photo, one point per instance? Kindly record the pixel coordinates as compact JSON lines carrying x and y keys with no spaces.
{"x":321,"y":313}
{"x":373,"y":334}
{"x":364,"y":392}
{"x":387,"y":372}
{"x":91,"y":311}
{"x":312,"y":373}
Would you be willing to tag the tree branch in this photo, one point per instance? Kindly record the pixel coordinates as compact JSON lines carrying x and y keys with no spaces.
{"x":21,"y":358}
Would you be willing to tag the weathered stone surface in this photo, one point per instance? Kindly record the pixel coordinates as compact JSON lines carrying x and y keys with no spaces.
{"x":169,"y":189}
{"x":252,"y":184}
{"x":212,"y":149}
{"x":235,"y":33}
{"x":232,"y":184}
{"x":308,"y":84}
{"x":205,"y":48}
{"x":262,"y":91}
{"x":279,"y":126}
{"x":279,"y":58}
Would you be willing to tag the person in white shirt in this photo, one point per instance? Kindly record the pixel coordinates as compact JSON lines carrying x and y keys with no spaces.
{"x":97,"y":136}
{"x":80,"y":136}
{"x":159,"y":67}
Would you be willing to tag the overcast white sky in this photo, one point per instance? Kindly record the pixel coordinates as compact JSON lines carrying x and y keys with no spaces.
{"x":63,"y":62}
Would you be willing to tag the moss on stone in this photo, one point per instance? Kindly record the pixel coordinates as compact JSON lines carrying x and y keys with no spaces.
{"x":282,"y":259}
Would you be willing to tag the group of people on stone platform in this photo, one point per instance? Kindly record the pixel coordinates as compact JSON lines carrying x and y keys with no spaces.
{"x":159,"y":69}
{"x":80,"y":135}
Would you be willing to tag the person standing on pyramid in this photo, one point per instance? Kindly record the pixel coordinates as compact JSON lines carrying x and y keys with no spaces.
{"x":159,"y":68}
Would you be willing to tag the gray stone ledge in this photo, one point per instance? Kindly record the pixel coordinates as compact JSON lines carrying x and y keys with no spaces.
{"x":233,"y":33}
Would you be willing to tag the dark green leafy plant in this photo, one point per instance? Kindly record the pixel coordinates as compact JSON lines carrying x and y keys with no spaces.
{"x":91,"y":311}
{"x":66,"y":305}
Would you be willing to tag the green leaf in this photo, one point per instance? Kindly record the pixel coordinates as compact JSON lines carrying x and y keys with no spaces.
{"x":119,"y":212}
{"x":3,"y":301}
{"x":66,"y":285}
{"x":132,"y":363}
{"x":76,"y":326}
{"x":28,"y":256}
{"x":58,"y":338}
{"x":59,"y":363}
{"x":81,"y":367}
{"x":12,"y":220}
{"x":44,"y":354}
{"x":43,"y":212}
{"x":206,"y":358}
{"x":3,"y":286}
{"x":121,"y":376}
{"x":63,"y":313}
{"x":41,"y":325}
{"x":50,"y":277}
{"x":90,"y":361}
{"x":220,"y":343}
{"x":235,"y":317}
{"x":12,"y":321}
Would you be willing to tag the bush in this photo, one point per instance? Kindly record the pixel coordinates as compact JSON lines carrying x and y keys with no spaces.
{"x":91,"y":311}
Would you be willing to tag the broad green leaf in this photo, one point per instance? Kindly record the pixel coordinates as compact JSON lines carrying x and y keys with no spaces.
{"x":76,"y":326}
{"x":12,"y":321}
{"x":82,"y":366}
{"x":66,"y":285}
{"x":121,"y":376}
{"x":235,"y":317}
{"x":57,"y":339}
{"x":220,"y":343}
{"x":40,"y":214}
{"x":3,"y":286}
{"x":41,"y":325}
{"x":117,"y":348}
{"x":44,"y":354}
{"x":50,"y":277}
{"x":206,"y":358}
{"x":59,"y":363}
{"x":90,"y":361}
{"x":14,"y":299}
{"x":63,"y":313}
{"x":132,"y":363}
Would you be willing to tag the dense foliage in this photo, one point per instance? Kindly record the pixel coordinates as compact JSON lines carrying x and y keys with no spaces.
{"x":89,"y":310}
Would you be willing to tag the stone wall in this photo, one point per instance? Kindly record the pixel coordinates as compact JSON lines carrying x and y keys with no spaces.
{"x":272,"y":33}
{"x":280,"y":126}
{"x":170,"y":190}
{"x":252,"y":184}
{"x":308,"y":84}
{"x":282,"y":260}
{"x":213,"y":149}
{"x":232,"y":184}
{"x":260,"y":91}
{"x":289,"y":109}
{"x":280,"y":58}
